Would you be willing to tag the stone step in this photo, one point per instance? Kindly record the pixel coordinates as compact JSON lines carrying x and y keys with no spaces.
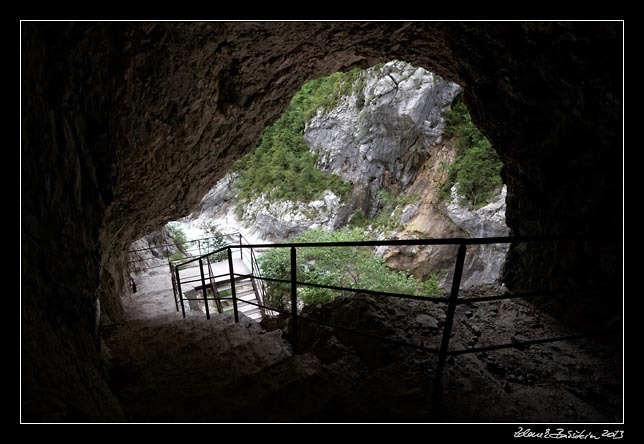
{"x":191,"y":382}
{"x":241,"y":307}
{"x":239,"y":285}
{"x":191,"y":317}
{"x":268,"y":395}
{"x":245,"y":293}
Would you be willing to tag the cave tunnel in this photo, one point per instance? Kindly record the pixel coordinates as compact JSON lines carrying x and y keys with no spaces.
{"x":125,"y":126}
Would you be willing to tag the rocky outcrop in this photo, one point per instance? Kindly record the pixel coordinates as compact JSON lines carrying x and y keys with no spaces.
{"x":125,"y":126}
{"x":278,"y":221}
{"x":483,"y":263}
{"x":431,"y":217}
{"x":379,"y":136}
{"x":145,"y":252}
{"x":265,"y":220}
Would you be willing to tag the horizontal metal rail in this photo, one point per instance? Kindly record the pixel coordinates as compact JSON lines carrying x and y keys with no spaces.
{"x":452,"y":301}
{"x":182,"y":243}
{"x":518,"y":344}
{"x":410,"y":242}
{"x":531,"y":294}
{"x":438,"y":241}
{"x":352,"y":290}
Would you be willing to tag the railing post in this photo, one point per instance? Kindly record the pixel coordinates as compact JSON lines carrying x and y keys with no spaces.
{"x":451,"y":309}
{"x":174,"y":288}
{"x":232,"y":284}
{"x":241,"y":250}
{"x":183,"y":309}
{"x":203,"y":285}
{"x":294,"y":296}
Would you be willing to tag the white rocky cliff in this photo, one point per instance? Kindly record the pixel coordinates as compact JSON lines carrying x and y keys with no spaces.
{"x":382,"y":134}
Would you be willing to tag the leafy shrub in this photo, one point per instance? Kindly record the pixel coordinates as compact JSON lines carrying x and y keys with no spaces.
{"x":216,"y":240}
{"x":358,"y":219}
{"x":177,"y":235}
{"x":176,"y":256}
{"x":476,"y":170}
{"x":349,"y":267}
{"x":281,"y":166}
{"x":386,"y":219}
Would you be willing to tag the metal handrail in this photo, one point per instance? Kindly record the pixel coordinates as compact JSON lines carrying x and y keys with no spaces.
{"x":352,"y":290}
{"x":186,"y":242}
{"x":410,"y":242}
{"x":452,"y":301}
{"x":176,"y":265}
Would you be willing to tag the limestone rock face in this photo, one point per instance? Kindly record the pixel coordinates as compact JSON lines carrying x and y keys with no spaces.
{"x":380,"y":135}
{"x":430,"y":217}
{"x":264,"y":220}
{"x":278,"y":221}
{"x":146,"y":251}
{"x":125,"y":126}
{"x":483,"y":263}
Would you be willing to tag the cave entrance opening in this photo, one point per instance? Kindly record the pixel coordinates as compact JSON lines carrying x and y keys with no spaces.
{"x":390,"y":150}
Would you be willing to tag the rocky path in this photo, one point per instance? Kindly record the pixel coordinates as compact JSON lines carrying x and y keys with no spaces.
{"x":154,"y":296}
{"x":164,"y":368}
{"x":569,"y":381}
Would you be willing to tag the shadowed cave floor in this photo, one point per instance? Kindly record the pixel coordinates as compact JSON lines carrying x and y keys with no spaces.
{"x":167,"y":369}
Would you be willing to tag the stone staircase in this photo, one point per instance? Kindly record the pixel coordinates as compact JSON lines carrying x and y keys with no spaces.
{"x":170,"y":369}
{"x":164,"y":368}
{"x":245,"y":289}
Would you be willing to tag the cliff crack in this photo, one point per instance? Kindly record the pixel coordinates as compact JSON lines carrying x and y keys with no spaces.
{"x":393,"y":80}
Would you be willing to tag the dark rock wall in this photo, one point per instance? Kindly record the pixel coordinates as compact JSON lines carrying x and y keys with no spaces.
{"x":66,"y":186}
{"x":127,"y":125}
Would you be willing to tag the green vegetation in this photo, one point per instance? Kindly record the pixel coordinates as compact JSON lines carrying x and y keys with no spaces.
{"x":281,"y":165}
{"x":350,"y":267}
{"x":477,"y":167}
{"x":177,"y":235}
{"x":216,"y":241}
{"x":401,"y":200}
{"x":176,"y":256}
{"x":386,"y":219}
{"x":359,"y":219}
{"x":224,"y":303}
